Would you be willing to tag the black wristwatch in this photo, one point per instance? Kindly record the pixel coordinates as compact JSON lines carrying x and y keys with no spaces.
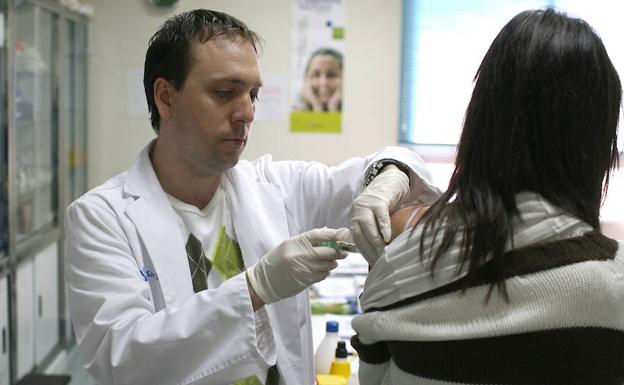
{"x":375,"y":168}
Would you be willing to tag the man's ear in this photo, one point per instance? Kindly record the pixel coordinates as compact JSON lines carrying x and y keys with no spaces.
{"x":163,"y":97}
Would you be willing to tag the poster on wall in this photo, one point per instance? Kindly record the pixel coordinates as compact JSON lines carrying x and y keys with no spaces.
{"x":317,"y":65}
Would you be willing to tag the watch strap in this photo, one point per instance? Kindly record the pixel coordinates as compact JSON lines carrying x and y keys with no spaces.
{"x":374,"y":169}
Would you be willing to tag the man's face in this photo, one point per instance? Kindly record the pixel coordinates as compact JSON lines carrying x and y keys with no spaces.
{"x":212,"y":113}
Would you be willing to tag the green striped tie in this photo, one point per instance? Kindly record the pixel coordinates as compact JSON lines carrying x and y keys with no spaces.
{"x":227,"y":260}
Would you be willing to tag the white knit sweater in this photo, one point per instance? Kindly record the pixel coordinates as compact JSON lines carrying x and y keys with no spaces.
{"x":563,"y":323}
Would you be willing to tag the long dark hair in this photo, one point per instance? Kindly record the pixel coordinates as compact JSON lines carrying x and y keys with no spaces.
{"x":543,"y":118}
{"x":169,"y":50}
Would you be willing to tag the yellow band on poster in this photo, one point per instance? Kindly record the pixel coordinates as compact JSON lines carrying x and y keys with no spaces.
{"x":315,"y":121}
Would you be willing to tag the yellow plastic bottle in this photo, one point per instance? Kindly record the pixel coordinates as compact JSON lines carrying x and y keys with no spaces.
{"x":340,"y":365}
{"x":330,"y":379}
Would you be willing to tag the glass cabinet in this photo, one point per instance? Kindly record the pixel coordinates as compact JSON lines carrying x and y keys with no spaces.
{"x":36,"y":126}
{"x":43,"y":167}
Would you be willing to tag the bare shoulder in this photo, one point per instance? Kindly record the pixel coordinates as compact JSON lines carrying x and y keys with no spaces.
{"x":406,"y":218}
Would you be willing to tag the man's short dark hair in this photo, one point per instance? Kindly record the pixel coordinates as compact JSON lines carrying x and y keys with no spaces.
{"x":169,"y":51}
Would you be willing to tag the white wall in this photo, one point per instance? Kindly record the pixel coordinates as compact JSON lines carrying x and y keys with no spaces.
{"x":121,"y":29}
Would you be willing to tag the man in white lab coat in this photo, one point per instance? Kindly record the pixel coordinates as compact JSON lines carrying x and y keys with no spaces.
{"x":192,"y":267}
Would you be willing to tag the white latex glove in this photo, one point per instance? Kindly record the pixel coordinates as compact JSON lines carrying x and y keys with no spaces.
{"x":296,"y":264}
{"x":370,"y":211}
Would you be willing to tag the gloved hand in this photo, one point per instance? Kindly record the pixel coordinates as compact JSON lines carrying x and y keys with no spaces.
{"x":370,"y":211}
{"x":296,"y":264}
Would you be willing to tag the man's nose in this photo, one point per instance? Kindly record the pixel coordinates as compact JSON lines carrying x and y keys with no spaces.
{"x":245,"y":110}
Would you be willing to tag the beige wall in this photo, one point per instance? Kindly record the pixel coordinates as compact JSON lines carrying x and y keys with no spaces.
{"x":121,"y":29}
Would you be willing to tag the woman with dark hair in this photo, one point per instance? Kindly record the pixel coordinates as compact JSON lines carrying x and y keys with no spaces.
{"x":506,"y":278}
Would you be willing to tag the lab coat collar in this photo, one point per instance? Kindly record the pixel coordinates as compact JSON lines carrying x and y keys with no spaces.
{"x":156,"y":223}
{"x":141,"y":179}
{"x":258,"y":213}
{"x":257,"y":209}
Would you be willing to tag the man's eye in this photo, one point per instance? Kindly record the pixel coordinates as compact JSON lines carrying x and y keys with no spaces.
{"x":254,"y":97}
{"x":224,"y":93}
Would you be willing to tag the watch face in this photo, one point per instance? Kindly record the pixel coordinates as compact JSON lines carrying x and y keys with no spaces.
{"x":162,"y":3}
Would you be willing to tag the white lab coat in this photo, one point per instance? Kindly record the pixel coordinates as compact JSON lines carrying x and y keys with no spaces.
{"x":136,"y":318}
